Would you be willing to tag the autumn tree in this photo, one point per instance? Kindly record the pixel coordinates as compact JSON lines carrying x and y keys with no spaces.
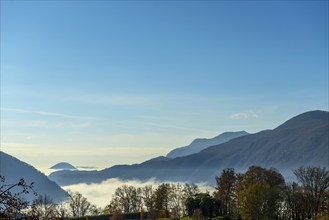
{"x":225,"y":189}
{"x":259,"y":193}
{"x":11,"y":196}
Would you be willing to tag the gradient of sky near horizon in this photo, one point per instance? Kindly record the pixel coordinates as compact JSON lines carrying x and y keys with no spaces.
{"x":98,"y":83}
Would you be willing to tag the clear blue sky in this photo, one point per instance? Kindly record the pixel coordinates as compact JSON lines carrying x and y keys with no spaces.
{"x":105,"y":82}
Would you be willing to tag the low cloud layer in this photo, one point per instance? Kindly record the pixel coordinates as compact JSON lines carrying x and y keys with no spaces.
{"x":100,"y":194}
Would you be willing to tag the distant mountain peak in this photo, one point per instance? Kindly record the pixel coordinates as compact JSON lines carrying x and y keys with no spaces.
{"x":200,"y":144}
{"x":63,"y":166}
{"x":310,"y":117}
{"x":315,"y":115}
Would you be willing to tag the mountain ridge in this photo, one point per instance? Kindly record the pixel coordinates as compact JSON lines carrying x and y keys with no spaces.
{"x":300,"y":141}
{"x":14,"y":169}
{"x":202,"y":143}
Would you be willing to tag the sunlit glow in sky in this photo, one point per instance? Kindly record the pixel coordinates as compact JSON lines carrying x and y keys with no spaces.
{"x":98,"y":83}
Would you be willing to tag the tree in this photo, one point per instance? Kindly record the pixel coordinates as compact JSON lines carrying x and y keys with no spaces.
{"x":117,"y":215}
{"x":78,"y":204}
{"x":259,"y":193}
{"x":121,"y":197}
{"x":94,"y":210}
{"x":225,"y":189}
{"x":253,"y":201}
{"x":147,"y":192}
{"x":62,"y":210}
{"x":197,"y":214}
{"x":113,"y":206}
{"x":201,"y":202}
{"x":192,"y":203}
{"x":207,"y":205}
{"x":45,"y":207}
{"x":128,"y":198}
{"x":315,"y":183}
{"x":13,"y":202}
{"x":324,"y":215}
{"x":161,"y":197}
{"x":295,"y":205}
{"x":176,"y":200}
{"x":189,"y":192}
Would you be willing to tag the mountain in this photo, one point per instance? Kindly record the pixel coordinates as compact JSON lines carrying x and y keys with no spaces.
{"x":63,"y":166}
{"x":301,"y":141}
{"x":13,"y":170}
{"x":202,"y":143}
{"x":160,"y":158}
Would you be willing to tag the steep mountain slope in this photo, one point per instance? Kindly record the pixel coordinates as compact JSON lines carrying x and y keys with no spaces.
{"x":14,"y":169}
{"x":302,"y":140}
{"x":202,"y":143}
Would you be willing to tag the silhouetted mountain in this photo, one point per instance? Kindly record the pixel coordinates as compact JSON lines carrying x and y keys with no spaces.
{"x":160,"y":158}
{"x":202,"y":143}
{"x":302,"y":140}
{"x":63,"y":166}
{"x":13,"y":170}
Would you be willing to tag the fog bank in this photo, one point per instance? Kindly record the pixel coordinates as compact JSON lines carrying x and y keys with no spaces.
{"x":100,"y":194}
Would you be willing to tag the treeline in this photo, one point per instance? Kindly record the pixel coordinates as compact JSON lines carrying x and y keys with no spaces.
{"x":263,"y":194}
{"x":165,"y":200}
{"x":257,"y":194}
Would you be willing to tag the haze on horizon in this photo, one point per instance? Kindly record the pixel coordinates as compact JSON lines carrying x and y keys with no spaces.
{"x":98,"y":83}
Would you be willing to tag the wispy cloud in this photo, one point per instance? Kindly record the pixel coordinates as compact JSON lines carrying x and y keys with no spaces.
{"x":113,"y":99}
{"x":244,"y":115}
{"x":44,"y":113}
{"x":49,"y":124}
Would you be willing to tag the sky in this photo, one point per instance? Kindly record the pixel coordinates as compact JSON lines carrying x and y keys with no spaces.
{"x":99,"y":83}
